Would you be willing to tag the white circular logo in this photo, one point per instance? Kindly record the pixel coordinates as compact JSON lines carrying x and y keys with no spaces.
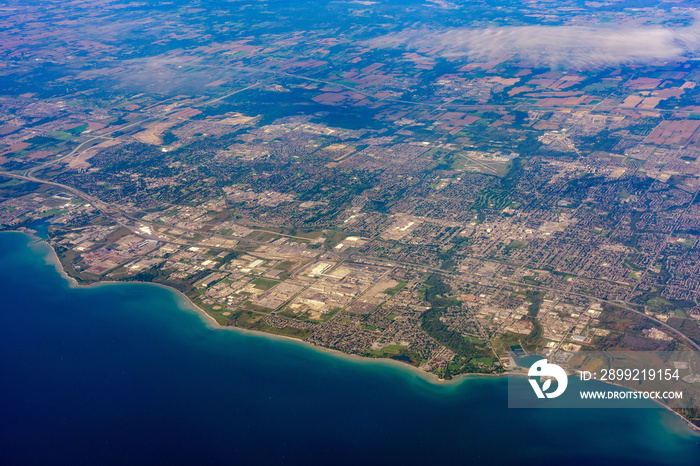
{"x":543,"y":369}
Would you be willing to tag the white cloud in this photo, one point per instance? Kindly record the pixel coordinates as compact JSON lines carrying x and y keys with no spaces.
{"x":554,"y":46}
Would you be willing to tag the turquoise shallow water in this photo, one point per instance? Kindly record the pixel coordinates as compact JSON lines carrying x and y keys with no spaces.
{"x":128,"y":373}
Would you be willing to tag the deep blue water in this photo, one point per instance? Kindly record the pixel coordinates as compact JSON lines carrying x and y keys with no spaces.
{"x":128,"y":374}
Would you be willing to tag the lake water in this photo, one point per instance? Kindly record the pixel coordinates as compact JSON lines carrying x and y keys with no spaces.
{"x":130,"y":374}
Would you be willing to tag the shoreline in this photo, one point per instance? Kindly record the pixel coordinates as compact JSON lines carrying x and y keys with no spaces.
{"x":52,"y":259}
{"x":212,"y":324}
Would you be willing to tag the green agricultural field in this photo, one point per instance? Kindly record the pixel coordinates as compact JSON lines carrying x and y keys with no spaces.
{"x":392,"y":291}
{"x":515,"y":244}
{"x":264,"y":283}
{"x":482,"y":360}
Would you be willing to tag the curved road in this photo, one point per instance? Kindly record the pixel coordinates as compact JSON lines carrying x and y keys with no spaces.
{"x":109,"y":212}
